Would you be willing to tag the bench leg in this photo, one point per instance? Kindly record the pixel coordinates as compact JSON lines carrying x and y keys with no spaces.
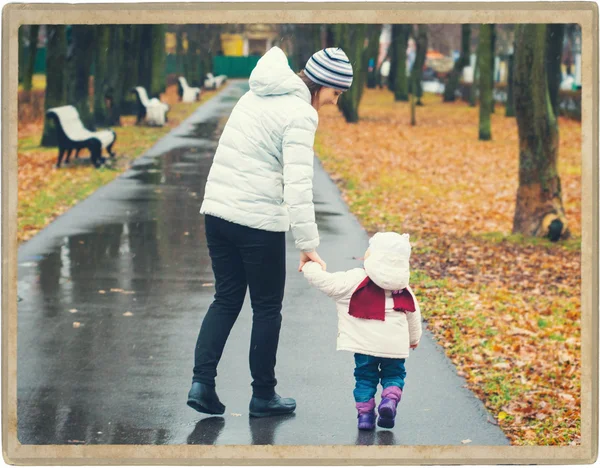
{"x":61,"y":152}
{"x":96,"y":155}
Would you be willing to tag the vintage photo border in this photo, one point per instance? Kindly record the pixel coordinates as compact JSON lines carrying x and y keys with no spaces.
{"x":583,"y":13}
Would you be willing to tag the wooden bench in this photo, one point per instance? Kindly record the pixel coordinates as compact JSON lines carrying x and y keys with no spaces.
{"x":152,"y":110}
{"x":72,"y":135}
{"x":186,"y":92}
{"x":214,"y":82}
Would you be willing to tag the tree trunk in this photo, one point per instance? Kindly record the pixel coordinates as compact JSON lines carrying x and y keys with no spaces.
{"x":179,"y":50}
{"x":400,"y":78}
{"x":31,"y":53}
{"x":131,"y":68}
{"x":417,"y":69}
{"x":493,"y":62}
{"x":193,"y":62}
{"x":145,"y":62}
{"x":115,"y":74}
{"x":55,"y":94}
{"x":413,"y":110}
{"x":474,"y":86}
{"x":370,"y":53}
{"x":22,"y":57}
{"x":351,"y":39}
{"x":100,"y":74}
{"x":510,"y":99}
{"x":486,"y":68}
{"x":81,"y":57}
{"x":158,"y":60}
{"x":539,"y":211}
{"x":554,"y":48}
{"x":393,"y":56}
{"x":459,"y":65}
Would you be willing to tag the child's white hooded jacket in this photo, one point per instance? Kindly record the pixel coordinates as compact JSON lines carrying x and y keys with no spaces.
{"x":390,"y":338}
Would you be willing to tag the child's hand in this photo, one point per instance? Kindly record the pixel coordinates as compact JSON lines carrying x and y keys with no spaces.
{"x":414,"y":346}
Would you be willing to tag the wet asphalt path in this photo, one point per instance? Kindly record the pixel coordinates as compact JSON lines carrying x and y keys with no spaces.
{"x":130,"y":265}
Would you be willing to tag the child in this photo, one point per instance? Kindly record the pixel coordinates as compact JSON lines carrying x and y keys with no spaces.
{"x":378,"y":319}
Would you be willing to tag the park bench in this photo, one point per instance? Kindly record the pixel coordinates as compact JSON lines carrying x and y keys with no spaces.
{"x":186,"y":92}
{"x":214,"y":82}
{"x":72,"y":135}
{"x":153,"y":110}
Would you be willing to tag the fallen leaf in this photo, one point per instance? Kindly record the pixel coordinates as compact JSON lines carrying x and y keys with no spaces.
{"x":102,"y":291}
{"x":76,"y":324}
{"x":236,"y":414}
{"x":502,"y":416}
{"x":72,"y":310}
{"x":127,"y":314}
{"x":206,"y":285}
{"x":466,"y":441}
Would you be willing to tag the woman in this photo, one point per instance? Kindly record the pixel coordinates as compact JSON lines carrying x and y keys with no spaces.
{"x":259,"y":185}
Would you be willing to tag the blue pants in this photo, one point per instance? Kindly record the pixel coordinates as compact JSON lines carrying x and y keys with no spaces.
{"x":370,"y":370}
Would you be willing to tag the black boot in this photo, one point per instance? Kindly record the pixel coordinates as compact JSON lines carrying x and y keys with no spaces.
{"x":276,"y":406}
{"x":203,"y":398}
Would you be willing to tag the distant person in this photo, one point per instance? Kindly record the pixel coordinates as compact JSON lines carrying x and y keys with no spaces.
{"x":385,"y":73}
{"x":379,"y":320}
{"x":260,"y":185}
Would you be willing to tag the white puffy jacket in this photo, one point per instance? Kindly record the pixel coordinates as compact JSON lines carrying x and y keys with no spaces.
{"x":262,"y":171}
{"x":390,"y":338}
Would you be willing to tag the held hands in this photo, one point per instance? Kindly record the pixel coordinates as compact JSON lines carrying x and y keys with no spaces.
{"x":311,"y":257}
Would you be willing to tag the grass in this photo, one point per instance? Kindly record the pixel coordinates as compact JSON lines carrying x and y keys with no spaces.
{"x":506,"y":308}
{"x":45,"y":192}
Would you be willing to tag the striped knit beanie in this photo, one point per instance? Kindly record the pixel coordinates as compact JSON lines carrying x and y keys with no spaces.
{"x":330,"y":68}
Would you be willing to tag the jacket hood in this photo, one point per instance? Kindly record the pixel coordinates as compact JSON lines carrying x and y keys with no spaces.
{"x":388,"y":263}
{"x":273,"y":76}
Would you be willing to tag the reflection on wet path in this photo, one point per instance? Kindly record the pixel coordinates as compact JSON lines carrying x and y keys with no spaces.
{"x":88,"y":297}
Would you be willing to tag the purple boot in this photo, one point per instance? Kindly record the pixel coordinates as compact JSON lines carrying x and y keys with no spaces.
{"x":366,"y":415}
{"x":387,"y":408}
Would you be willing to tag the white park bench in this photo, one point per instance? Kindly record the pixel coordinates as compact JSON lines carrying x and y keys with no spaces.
{"x":72,"y":135}
{"x":186,"y":92}
{"x":214,"y":82}
{"x":153,"y":110}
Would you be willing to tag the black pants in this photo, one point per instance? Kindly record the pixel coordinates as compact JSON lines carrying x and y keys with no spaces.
{"x":243,"y":257}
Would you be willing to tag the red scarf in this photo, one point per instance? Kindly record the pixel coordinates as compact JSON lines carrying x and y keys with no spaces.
{"x":368,"y":301}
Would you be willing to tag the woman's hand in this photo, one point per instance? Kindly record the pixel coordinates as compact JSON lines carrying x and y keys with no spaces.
{"x":414,"y":346}
{"x":311,"y":257}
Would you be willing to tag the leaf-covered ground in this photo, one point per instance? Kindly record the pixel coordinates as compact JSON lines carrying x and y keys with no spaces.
{"x":505,"y":308}
{"x":45,"y":192}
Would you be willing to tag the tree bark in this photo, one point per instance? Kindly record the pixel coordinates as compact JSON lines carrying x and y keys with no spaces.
{"x":193,"y":61}
{"x":351,"y":39}
{"x":510,"y":99}
{"x":22,"y":57}
{"x":179,"y":50}
{"x":417,"y":69}
{"x":158,"y":60}
{"x":30,"y":62}
{"x":55,"y":94}
{"x":539,"y":211}
{"x":145,"y":61}
{"x":100,"y":74}
{"x":131,"y":68}
{"x":115,"y":74}
{"x":554,"y":47}
{"x":400,"y":78}
{"x":80,"y":62}
{"x":493,"y":62}
{"x":459,"y":65}
{"x":486,"y":69}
